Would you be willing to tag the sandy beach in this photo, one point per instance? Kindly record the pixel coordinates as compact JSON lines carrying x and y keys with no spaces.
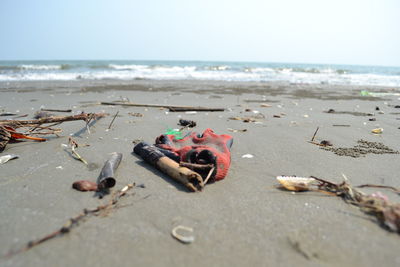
{"x":243,"y":220}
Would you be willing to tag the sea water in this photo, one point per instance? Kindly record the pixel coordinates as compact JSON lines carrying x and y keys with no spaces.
{"x":65,"y":70}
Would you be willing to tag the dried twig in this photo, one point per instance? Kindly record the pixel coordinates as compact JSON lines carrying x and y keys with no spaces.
{"x":171,"y":108}
{"x":73,"y":222}
{"x":109,"y":126}
{"x":73,"y":144}
{"x":315,"y":133}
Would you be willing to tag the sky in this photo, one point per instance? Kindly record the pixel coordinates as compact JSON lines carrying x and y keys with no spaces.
{"x":360,"y":32}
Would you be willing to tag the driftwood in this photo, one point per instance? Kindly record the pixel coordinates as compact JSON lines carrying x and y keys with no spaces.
{"x":74,"y":222}
{"x":171,"y":108}
{"x":8,"y":132}
{"x":53,"y":119}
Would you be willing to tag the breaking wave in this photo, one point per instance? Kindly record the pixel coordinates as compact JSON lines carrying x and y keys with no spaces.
{"x":235,"y":71}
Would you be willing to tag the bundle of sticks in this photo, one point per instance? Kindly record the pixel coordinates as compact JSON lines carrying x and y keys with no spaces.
{"x":27,"y":129}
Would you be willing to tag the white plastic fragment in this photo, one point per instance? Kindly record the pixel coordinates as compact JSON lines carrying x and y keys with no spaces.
{"x":294,"y":183}
{"x":5,"y":158}
{"x":182,"y":238}
{"x":247,"y":156}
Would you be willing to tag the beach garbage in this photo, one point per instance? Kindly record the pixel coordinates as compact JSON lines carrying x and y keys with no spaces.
{"x":153,"y":156}
{"x":185,"y":239}
{"x":106,"y":178}
{"x":193,"y":160}
{"x":377,"y":131}
{"x":376,"y":204}
{"x":6,"y":158}
{"x":200,"y":149}
{"x":187,"y":123}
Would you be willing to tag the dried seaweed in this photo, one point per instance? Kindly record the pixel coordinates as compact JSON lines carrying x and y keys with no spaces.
{"x":378,"y":205}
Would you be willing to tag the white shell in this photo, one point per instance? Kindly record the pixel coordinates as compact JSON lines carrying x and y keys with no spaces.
{"x":294,"y":183}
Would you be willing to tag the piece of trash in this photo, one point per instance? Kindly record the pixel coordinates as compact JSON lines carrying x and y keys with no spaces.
{"x":237,"y":130}
{"x":377,"y":94}
{"x":276,"y":116}
{"x":59,"y":167}
{"x":294,"y":183}
{"x":377,"y":204}
{"x":175,"y":132}
{"x":187,"y":123}
{"x":372,"y":119}
{"x":135,"y":114}
{"x":84,"y":185}
{"x":6,"y":158}
{"x":326,"y":143}
{"x":247,"y":156}
{"x":106,"y":178}
{"x":152,"y":155}
{"x":265,"y":106}
{"x":73,"y":144}
{"x":306,"y":116}
{"x":183,"y":238}
{"x":377,"y":131}
{"x":191,"y":112}
{"x":377,"y":108}
{"x":194,"y":149}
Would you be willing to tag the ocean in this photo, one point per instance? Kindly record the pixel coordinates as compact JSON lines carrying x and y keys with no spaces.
{"x":65,"y":70}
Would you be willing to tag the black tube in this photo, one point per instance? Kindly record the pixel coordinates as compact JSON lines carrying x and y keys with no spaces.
{"x":149,"y":153}
{"x":106,"y":177}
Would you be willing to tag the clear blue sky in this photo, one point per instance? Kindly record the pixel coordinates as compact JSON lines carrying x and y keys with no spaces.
{"x":309,"y":31}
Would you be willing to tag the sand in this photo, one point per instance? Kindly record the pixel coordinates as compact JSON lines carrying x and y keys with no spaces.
{"x":243,"y":220}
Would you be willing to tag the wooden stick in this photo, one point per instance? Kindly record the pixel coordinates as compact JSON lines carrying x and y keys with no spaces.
{"x":52,"y":119}
{"x":56,"y":110}
{"x":194,"y":166}
{"x":109,"y":126}
{"x":73,"y":222}
{"x":312,"y":139}
{"x":171,"y":108}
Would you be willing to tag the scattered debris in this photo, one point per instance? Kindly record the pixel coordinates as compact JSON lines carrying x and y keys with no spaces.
{"x":135,"y":114}
{"x":106,"y":178}
{"x":265,"y":105}
{"x":152,"y":155}
{"x":7,"y":131}
{"x":84,"y":185}
{"x":354,"y":113}
{"x":75,"y":221}
{"x":187,"y":123}
{"x":294,"y":183}
{"x":109,"y":126}
{"x":388,"y":214}
{"x":247,"y":156}
{"x":171,"y":108}
{"x":73,"y":145}
{"x":182,"y":238}
{"x":6,"y":158}
{"x":372,"y":119}
{"x":8,"y":114}
{"x":56,"y":110}
{"x":237,"y":130}
{"x":377,"y":131}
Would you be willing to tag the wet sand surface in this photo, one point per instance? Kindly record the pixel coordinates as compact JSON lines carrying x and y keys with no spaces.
{"x":241,"y":220}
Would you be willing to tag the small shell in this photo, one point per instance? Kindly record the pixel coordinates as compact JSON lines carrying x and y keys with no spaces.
{"x":181,"y":238}
{"x":377,"y":130}
{"x":293,"y":183}
{"x":84,"y":185}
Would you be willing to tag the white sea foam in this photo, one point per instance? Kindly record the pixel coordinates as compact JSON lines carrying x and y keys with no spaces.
{"x":40,"y":67}
{"x":117,"y":71}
